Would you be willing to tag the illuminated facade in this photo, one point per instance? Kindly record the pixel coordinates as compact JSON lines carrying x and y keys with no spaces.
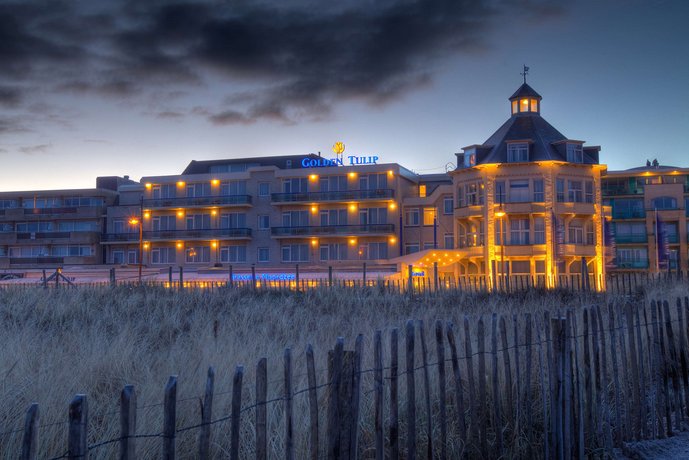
{"x":650,"y":215}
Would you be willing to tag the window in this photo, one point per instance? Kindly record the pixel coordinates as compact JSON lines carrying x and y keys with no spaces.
{"x":164,"y":191}
{"x":198,"y":221}
{"x":630,"y":232}
{"x":575,"y":153}
{"x":560,"y":190}
{"x":163,"y":223}
{"x":118,"y":257}
{"x":333,"y":217}
{"x":449,"y":240}
{"x":295,"y":219}
{"x":79,"y":251}
{"x":517,"y":152}
{"x":519,"y":191}
{"x":263,"y":222}
{"x":422,"y":191}
{"x":411,"y":248}
{"x":664,"y":202}
{"x":428,"y":245}
{"x":378,"y":250}
{"x":519,"y":231}
{"x":411,"y":217}
{"x":263,"y":254}
{"x":575,"y":192}
{"x":294,"y":185}
{"x":539,"y":230}
{"x":295,"y":252}
{"x":264,"y":189}
{"x":40,"y":203}
{"x":448,"y":205}
{"x":333,"y":184}
{"x":500,"y":196}
{"x":474,"y":194}
{"x":590,"y":233}
{"x":233,"y":220}
{"x":118,"y":226}
{"x":233,"y":254}
{"x":198,"y":190}
{"x":32,"y":227}
{"x":469,"y":158}
{"x":198,"y":255}
{"x":538,"y":195}
{"x":429,"y":216}
{"x":334,"y":251}
{"x":628,"y":208}
{"x":521,"y":267}
{"x":131,"y":256}
{"x":460,"y":196}
{"x":632,"y":258}
{"x":576,"y":232}
{"x":373,"y":181}
{"x":163,"y":255}
{"x":589,"y":191}
{"x":372,"y":216}
{"x":77,"y":226}
{"x":8,"y":204}
{"x":235,"y":187}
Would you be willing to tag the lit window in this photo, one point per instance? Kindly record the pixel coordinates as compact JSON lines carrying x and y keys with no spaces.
{"x":422,"y":191}
{"x":534,"y":105}
{"x":428,"y":216}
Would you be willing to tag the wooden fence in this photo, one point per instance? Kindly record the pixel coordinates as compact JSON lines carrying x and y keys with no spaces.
{"x":565,"y":384}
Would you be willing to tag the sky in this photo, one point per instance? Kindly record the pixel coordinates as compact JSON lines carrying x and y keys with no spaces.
{"x":137,"y":88}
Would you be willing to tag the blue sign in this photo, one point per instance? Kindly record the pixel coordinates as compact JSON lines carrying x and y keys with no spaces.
{"x":352,"y":160}
{"x":265,"y":277}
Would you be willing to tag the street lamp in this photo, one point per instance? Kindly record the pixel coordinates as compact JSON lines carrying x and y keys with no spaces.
{"x":500,"y":214}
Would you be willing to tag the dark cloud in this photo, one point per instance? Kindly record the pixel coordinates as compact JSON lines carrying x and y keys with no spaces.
{"x":10,"y":96}
{"x":297,"y":58}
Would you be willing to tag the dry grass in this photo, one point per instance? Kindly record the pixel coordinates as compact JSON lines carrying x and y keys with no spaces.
{"x":95,"y":340}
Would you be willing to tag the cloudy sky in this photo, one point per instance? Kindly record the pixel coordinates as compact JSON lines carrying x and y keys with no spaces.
{"x":142,"y":88}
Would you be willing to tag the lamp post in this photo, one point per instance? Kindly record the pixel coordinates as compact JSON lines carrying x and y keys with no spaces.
{"x":500,"y":214}
{"x":140,"y":223}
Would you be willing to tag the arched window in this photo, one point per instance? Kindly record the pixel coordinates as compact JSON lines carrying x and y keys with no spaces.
{"x":664,"y":202}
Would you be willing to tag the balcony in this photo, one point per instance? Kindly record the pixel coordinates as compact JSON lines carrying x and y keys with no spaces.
{"x":339,"y":196}
{"x":622,"y":239}
{"x":640,"y":264}
{"x":36,"y":260}
{"x":628,"y":213}
{"x":618,"y":191}
{"x":74,"y":212}
{"x":334,"y":230}
{"x":173,"y":235}
{"x":215,"y":200}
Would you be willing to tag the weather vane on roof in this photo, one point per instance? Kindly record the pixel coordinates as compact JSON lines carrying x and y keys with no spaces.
{"x":525,"y":73}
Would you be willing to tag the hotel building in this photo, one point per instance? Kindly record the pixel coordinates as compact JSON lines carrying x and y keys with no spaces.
{"x":527,"y":201}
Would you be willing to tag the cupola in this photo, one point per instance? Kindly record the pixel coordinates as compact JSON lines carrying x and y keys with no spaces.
{"x":525,"y":101}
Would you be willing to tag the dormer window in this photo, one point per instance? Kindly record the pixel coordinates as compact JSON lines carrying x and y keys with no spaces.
{"x":469,"y":158}
{"x":518,"y":152}
{"x":575,"y":153}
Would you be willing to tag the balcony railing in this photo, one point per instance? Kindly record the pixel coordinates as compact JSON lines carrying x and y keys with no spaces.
{"x":632,"y":264}
{"x":631,"y":238}
{"x":214,"y":200}
{"x":36,"y":260}
{"x":616,"y":191}
{"x":628,"y":213}
{"x":64,"y":210}
{"x":317,"y":230}
{"x":41,"y":235}
{"x":344,"y":195}
{"x":205,"y":234}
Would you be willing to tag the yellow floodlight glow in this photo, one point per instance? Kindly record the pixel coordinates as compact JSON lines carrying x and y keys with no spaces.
{"x":149,"y":185}
{"x":180,"y":213}
{"x":352,"y":207}
{"x":525,"y":102}
{"x":314,"y":209}
{"x":314,"y":242}
{"x":313,"y":177}
{"x":134,"y":221}
{"x":352,"y":175}
{"x":147,"y":214}
{"x":214,"y":212}
{"x":393,"y":240}
{"x":393,"y":206}
{"x":352,"y":241}
{"x":499,"y":213}
{"x":215,"y":182}
{"x":390,"y":173}
{"x":146,"y":245}
{"x":214,"y":244}
{"x":180,"y":244}
{"x":181,"y":183}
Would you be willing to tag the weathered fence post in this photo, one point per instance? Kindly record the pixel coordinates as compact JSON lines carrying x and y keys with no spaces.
{"x":394,"y":408}
{"x":427,"y":388}
{"x":169,"y":418}
{"x":356,"y":396}
{"x":333,"y":412}
{"x":30,"y":438}
{"x":261,"y":412}
{"x":253,"y":277}
{"x":363,"y":272}
{"x":289,"y":422}
{"x":313,"y":402}
{"x":459,"y":394}
{"x":78,"y":428}
{"x":45,"y":280}
{"x":558,"y":332}
{"x":410,"y":280}
{"x":230,"y":276}
{"x":440,"y":350}
{"x":206,"y":416}
{"x":236,"y":411}
{"x":411,"y":393}
{"x":497,"y":419}
{"x":127,"y":423}
{"x":481,"y":348}
{"x":378,"y":390}
{"x":330,"y":276}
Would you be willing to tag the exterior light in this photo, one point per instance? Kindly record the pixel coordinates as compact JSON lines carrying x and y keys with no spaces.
{"x":352,"y":175}
{"x":393,"y":206}
{"x":314,"y":209}
{"x":314,"y":242}
{"x":147,"y":215}
{"x":134,"y":221}
{"x":393,"y":240}
{"x":499,"y":213}
{"x":149,"y":185}
{"x":146,"y":245}
{"x":352,"y":241}
{"x":313,"y":177}
{"x":215,"y":182}
{"x":390,"y":173}
{"x":214,"y":244}
{"x":181,"y":183}
{"x":352,"y":207}
{"x":179,"y":244}
{"x":180,"y":213}
{"x":525,"y":102}
{"x":214,"y":212}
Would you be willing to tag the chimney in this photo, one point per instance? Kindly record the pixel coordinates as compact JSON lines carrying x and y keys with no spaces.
{"x":126,"y":177}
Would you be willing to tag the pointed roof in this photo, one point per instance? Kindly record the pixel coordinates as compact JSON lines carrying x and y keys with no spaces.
{"x":533,"y":129}
{"x":525,"y":91}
